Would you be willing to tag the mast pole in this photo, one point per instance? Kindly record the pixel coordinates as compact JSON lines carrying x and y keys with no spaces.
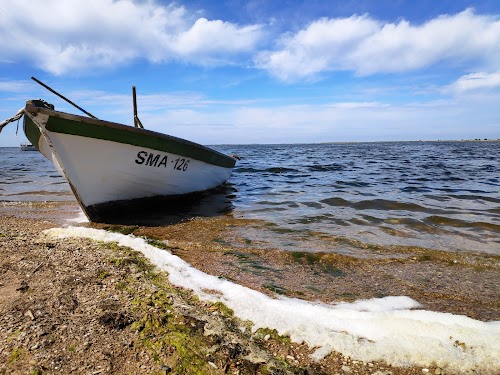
{"x":137,"y":122}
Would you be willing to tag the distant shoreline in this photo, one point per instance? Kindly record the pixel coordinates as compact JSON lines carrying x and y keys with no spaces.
{"x":425,"y":141}
{"x":349,"y":142}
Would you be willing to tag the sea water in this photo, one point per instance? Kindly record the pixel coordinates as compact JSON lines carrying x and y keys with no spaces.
{"x":438,"y":195}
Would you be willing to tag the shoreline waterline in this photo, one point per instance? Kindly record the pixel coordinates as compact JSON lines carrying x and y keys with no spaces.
{"x":338,"y":269}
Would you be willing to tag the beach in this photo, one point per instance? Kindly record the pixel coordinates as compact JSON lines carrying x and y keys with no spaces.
{"x":79,"y":306}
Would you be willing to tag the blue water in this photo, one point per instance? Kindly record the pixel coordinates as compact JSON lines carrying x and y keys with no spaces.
{"x":439,"y":195}
{"x":28,"y":176}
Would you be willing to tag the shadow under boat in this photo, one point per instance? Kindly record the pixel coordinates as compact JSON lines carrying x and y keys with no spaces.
{"x":160,"y":211}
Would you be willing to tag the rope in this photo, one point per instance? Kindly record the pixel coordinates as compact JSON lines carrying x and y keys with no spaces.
{"x":16,"y":117}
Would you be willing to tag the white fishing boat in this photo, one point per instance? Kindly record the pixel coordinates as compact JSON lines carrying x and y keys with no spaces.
{"x":111,"y":166}
{"x":27,"y":147}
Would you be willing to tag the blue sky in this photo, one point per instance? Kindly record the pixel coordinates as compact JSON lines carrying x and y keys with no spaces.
{"x":261,"y":71}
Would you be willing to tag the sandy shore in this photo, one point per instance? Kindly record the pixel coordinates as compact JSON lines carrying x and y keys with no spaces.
{"x":78,"y":306}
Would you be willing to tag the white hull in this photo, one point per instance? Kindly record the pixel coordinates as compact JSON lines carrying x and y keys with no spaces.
{"x":111,"y":171}
{"x":27,"y":147}
{"x":102,"y":172}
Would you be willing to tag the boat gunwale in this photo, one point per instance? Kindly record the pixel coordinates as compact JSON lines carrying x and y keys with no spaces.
{"x":210,"y":156}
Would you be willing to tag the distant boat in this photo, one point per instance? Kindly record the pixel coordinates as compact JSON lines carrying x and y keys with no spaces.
{"x":28,"y":147}
{"x":113,"y":167}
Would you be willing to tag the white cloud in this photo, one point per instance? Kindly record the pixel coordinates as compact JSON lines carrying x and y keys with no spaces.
{"x":15,"y":86}
{"x":367,"y":46}
{"x":317,"y":48}
{"x":476,"y":81}
{"x":82,"y":35}
{"x":62,"y":36}
{"x":213,"y":37}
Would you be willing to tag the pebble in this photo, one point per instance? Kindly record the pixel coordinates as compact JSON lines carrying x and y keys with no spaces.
{"x":346,"y":369}
{"x":29,"y":314}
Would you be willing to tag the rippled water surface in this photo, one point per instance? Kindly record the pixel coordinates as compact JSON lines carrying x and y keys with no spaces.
{"x":441,"y":195}
{"x":28,"y":176}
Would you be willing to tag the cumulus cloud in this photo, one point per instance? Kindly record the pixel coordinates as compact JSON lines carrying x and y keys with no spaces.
{"x":62,"y":36}
{"x":210,"y":37}
{"x":367,"y":46}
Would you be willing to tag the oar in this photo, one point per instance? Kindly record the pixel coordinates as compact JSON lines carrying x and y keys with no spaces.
{"x":62,"y":97}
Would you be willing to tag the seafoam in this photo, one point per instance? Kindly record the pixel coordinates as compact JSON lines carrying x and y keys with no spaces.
{"x":391,"y":329}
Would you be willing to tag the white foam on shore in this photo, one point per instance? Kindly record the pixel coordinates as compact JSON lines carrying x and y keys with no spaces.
{"x":388,"y":329}
{"x":81,"y":218}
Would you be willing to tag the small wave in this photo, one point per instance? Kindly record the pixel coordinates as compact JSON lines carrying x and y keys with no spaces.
{"x":325,"y":168}
{"x":447,"y":189}
{"x":439,"y":198}
{"x":336,"y":202}
{"x":266,"y":170}
{"x":321,"y":219}
{"x":415,"y":189}
{"x":18,"y":169}
{"x":15,"y":182}
{"x":388,"y":205}
{"x":476,"y":198}
{"x":440,"y":220}
{"x":353,"y":183}
{"x":247,"y":170}
{"x":431,"y":166}
{"x":489,"y":168}
{"x":313,"y":204}
{"x":279,"y":170}
{"x":284,"y":203}
{"x":378,"y":204}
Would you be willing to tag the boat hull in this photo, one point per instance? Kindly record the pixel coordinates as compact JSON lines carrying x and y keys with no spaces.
{"x":111,"y":167}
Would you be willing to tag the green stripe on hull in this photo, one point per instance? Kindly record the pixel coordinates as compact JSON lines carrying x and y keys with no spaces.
{"x":31,"y":130}
{"x":139,"y":137}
